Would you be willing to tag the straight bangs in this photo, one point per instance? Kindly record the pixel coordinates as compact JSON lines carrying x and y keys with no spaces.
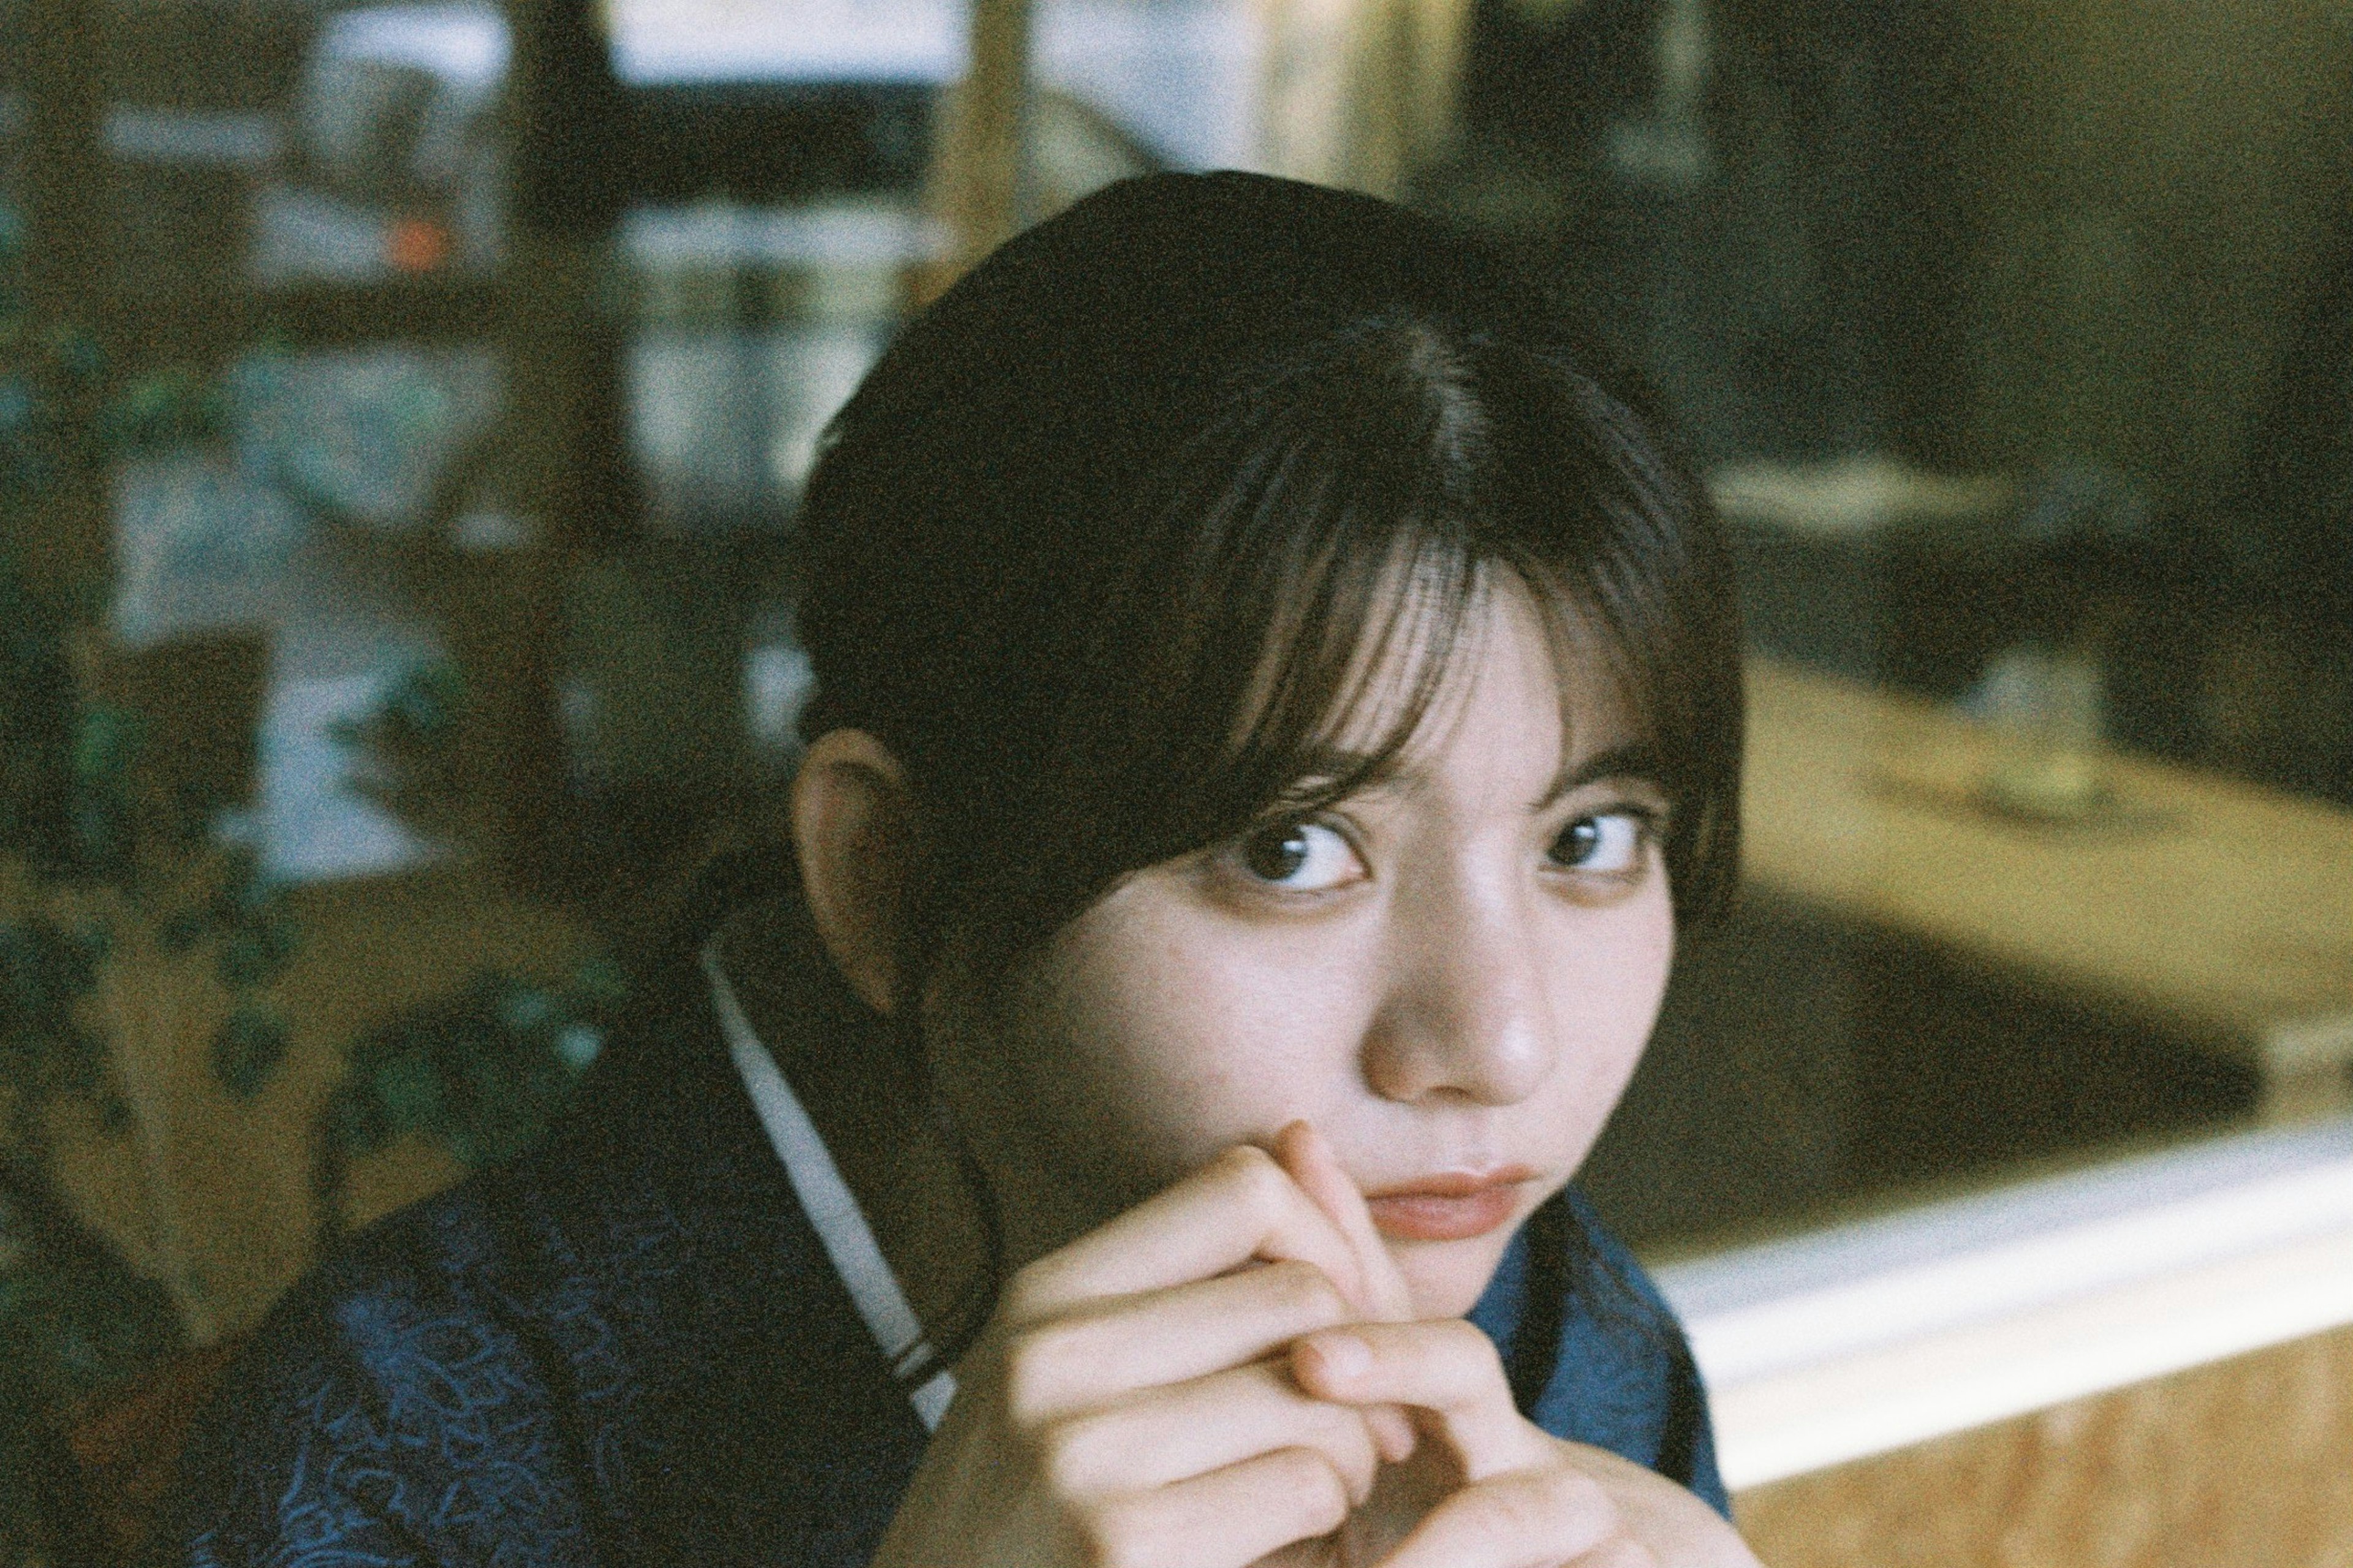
{"x":1272,"y":642}
{"x":1296,"y":642}
{"x":1293,"y":605}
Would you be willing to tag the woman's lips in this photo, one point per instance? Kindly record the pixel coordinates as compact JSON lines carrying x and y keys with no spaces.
{"x":1455,"y":1206}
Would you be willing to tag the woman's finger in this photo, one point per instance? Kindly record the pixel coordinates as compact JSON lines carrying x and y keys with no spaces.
{"x":1303,"y":1152}
{"x":1240,"y":1207}
{"x":1551,"y":1517}
{"x":1166,"y":1434}
{"x":1109,"y":1347}
{"x":1444,"y":1367}
{"x":1226,"y":1518}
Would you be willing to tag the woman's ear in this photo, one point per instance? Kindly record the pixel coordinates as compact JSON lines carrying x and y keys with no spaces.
{"x":854,"y":826}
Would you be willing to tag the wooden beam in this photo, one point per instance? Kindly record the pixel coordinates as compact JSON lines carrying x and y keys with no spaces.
{"x":980,"y":163}
{"x":561,"y":472}
{"x":1359,"y":93}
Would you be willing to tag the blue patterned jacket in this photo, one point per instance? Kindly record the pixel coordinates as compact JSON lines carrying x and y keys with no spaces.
{"x":630,"y":1348}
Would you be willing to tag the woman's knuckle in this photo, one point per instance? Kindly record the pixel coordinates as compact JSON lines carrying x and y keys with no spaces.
{"x":1033,"y":1364}
{"x":1263,"y":1185}
{"x":1328,"y":1508}
{"x":1244,"y":1162}
{"x":1519,"y":1511}
{"x":1575,"y":1511}
{"x":1064,"y":1453}
{"x":1568,"y":1489}
{"x":1307,"y":1292}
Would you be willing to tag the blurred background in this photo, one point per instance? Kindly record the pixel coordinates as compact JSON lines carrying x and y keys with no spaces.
{"x":403,"y":407}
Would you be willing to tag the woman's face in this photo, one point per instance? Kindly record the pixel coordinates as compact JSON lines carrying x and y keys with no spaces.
{"x":1452,"y":975}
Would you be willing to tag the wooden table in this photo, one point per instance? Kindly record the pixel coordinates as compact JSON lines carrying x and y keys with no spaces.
{"x":2215,"y":911}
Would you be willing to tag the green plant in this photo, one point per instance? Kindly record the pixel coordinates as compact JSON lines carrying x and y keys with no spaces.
{"x":108,"y":861}
{"x":97,"y":852}
{"x":482,"y":1073}
{"x":93,"y":841}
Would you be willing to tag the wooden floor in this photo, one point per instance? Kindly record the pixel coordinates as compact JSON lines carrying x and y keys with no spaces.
{"x":2243,"y":1464}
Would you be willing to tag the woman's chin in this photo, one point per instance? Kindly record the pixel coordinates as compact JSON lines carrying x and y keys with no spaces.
{"x":1446,"y":1279}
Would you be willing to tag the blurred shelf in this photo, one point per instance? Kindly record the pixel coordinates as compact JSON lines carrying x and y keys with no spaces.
{"x":421,"y":311}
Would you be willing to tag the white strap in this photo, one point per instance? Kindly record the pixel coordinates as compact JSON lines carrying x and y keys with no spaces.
{"x":831,"y":1208}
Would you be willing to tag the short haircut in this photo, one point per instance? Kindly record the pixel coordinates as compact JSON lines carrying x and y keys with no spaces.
{"x":1097,"y":548}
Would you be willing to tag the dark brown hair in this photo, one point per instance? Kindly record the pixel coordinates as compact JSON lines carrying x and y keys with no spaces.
{"x":1098,"y":546}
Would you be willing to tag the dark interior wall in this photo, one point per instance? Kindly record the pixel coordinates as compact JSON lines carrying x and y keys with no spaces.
{"x":2154,"y":185}
{"x":1767,"y":229}
{"x":1980,"y":233}
{"x":1877,"y":107}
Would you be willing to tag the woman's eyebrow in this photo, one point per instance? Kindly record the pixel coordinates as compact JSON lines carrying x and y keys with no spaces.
{"x":1632,"y":761}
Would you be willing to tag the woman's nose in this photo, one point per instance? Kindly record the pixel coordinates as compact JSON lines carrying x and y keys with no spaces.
{"x":1466,"y":1013}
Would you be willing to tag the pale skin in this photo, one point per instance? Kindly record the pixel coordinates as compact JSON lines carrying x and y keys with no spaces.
{"x":1215,"y":1351}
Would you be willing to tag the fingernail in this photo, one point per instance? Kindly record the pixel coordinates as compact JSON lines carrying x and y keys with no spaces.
{"x":1344,"y":1355}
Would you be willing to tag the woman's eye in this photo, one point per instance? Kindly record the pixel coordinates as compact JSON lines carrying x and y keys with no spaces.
{"x":1299,"y":857}
{"x":1607,"y":841}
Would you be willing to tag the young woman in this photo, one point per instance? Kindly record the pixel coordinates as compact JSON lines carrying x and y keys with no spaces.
{"x":1273,"y":705}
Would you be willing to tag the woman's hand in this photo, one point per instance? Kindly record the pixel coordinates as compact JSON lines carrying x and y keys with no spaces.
{"x":1133,"y":1405}
{"x":1517,"y":1497}
{"x":1147,"y":1397}
{"x":1493,"y":1489}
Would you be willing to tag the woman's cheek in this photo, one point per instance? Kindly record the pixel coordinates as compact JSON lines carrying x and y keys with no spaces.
{"x":1610,"y":979}
{"x":1191,"y":1035}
